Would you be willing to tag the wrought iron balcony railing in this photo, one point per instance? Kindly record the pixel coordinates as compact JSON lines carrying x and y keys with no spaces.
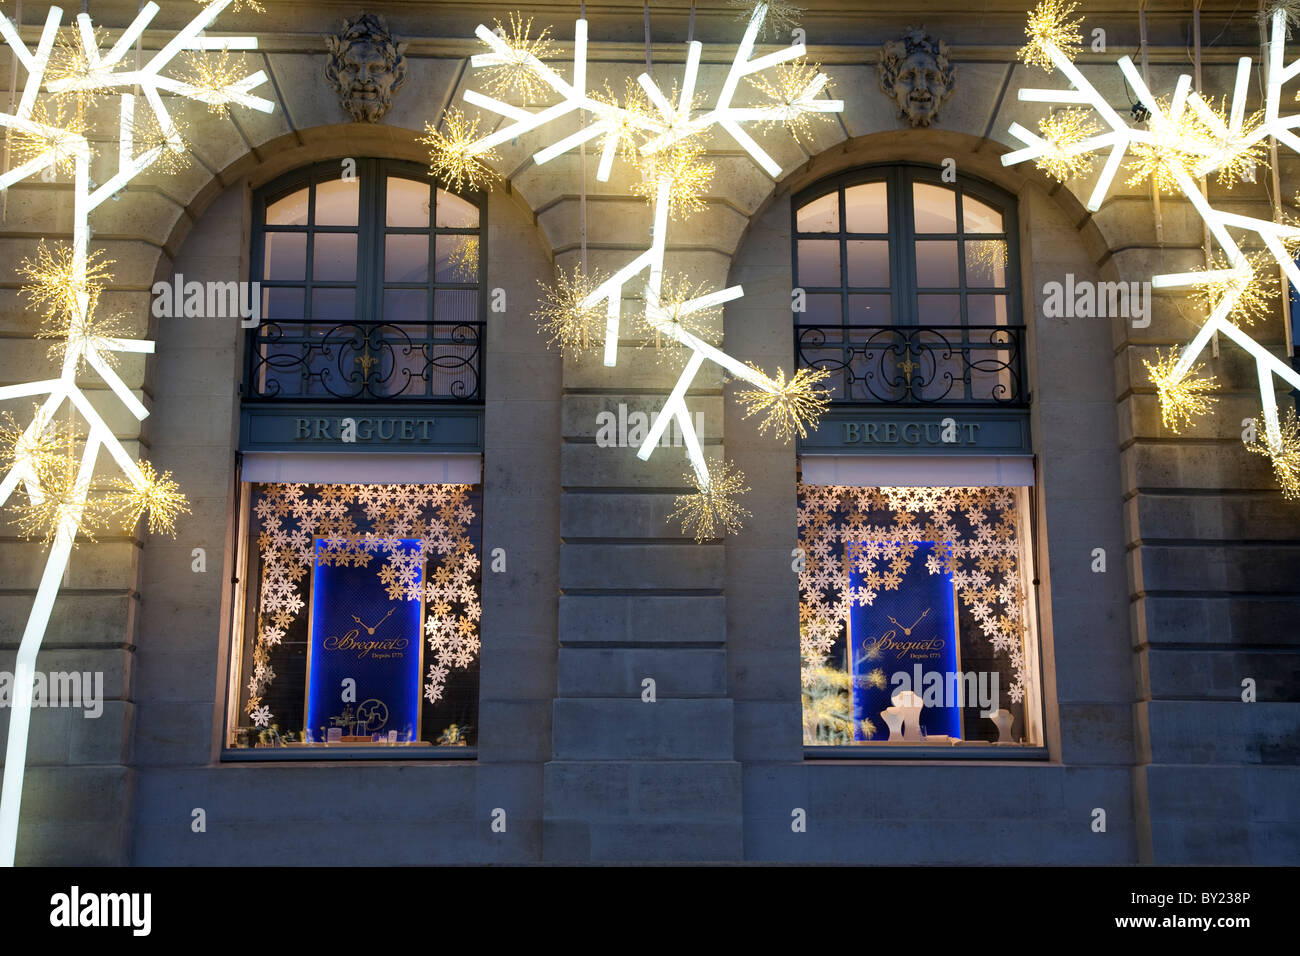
{"x":301,"y":360}
{"x":918,"y":364}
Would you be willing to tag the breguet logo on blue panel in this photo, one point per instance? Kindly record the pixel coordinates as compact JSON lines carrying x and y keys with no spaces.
{"x":912,"y":629}
{"x":359,"y":633}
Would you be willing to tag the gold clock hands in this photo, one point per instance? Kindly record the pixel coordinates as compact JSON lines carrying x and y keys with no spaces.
{"x":371,"y":630}
{"x":908,"y":630}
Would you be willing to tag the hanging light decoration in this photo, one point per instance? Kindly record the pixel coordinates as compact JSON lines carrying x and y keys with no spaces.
{"x":50,"y":466}
{"x":1280,"y":442}
{"x":793,"y":406}
{"x":455,"y":157}
{"x":1050,"y":25}
{"x":514,"y":70}
{"x":563,"y":312}
{"x":1247,"y":289}
{"x":661,"y":133}
{"x":1186,"y":137}
{"x":713,"y":511}
{"x":1064,"y":131}
{"x":792,"y":93}
{"x":1183,"y":395}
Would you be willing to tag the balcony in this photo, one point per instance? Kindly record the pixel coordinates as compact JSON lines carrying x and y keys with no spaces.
{"x":918,"y":365}
{"x":303,"y":361}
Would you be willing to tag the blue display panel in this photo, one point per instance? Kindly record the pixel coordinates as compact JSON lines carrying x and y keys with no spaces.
{"x":358,"y":632}
{"x":906,"y":639}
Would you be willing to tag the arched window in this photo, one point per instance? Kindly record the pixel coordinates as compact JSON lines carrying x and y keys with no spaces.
{"x":917,"y":595}
{"x":910,"y":287}
{"x":371,"y":287}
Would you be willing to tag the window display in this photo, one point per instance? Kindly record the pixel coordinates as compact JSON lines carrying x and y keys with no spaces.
{"x":361,"y":617}
{"x":917,"y":616}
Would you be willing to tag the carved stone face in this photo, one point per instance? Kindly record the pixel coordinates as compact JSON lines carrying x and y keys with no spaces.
{"x":366,"y":67}
{"x":916,"y":74}
{"x":919,"y":88}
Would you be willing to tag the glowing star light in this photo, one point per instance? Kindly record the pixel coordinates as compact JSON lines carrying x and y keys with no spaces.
{"x":58,"y":284}
{"x":680,"y":170}
{"x":214,"y":79}
{"x":513,"y":70}
{"x":455,"y":159}
{"x":1050,"y":25}
{"x":1185,"y":138}
{"x":1246,"y":291}
{"x":55,"y":135}
{"x":1064,"y":131}
{"x":50,"y":466}
{"x":781,"y":18}
{"x":792,"y":406}
{"x":564,"y":315}
{"x":1183,"y":396}
{"x":793,"y":94}
{"x":1280,"y":441}
{"x":152,"y":494}
{"x":712,"y":511}
{"x":671,"y":317}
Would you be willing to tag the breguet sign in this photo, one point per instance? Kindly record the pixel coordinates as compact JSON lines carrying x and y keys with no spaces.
{"x":363,"y":428}
{"x":935,"y":430}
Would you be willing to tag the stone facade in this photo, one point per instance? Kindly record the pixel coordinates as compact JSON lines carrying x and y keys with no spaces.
{"x":1141,"y":666}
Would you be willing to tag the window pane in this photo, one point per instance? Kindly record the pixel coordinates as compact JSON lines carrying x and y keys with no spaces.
{"x":864,"y":644}
{"x":986,"y":309}
{"x":456,"y":259}
{"x":939,"y":309}
{"x":454,"y":212}
{"x":869,"y":310}
{"x":282,"y":303}
{"x":455,"y":305}
{"x":286,"y":256}
{"x":321,"y":595}
{"x":336,"y":202}
{"x":868,"y":261}
{"x":289,"y":211}
{"x":820,"y":215}
{"x":936,"y":264}
{"x":866,"y":207}
{"x":406,"y":258}
{"x":333,"y":305}
{"x":979,"y":217}
{"x":822,"y":310}
{"x":408,"y":203}
{"x":334,"y":257}
{"x":819,"y":263}
{"x":405,"y":305}
{"x":935,"y":208}
{"x":986,"y":263}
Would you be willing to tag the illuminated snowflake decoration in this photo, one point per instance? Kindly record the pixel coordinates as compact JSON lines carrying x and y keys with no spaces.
{"x":660,"y":133}
{"x":1186,"y":137}
{"x":63,"y":495}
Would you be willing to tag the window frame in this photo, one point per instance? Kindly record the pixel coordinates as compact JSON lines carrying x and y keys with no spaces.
{"x":902,"y":235}
{"x":372,"y":175}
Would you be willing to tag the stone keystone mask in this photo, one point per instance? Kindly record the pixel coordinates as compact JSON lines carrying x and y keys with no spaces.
{"x":915,"y":73}
{"x":366,"y":66}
